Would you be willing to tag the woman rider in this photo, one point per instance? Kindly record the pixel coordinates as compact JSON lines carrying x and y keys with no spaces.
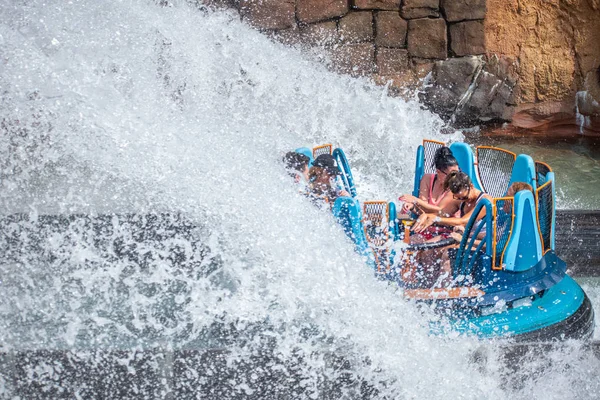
{"x":443,"y":254}
{"x":322,"y":184}
{"x":466,"y":197}
{"x":433,"y":195}
{"x":513,"y":189}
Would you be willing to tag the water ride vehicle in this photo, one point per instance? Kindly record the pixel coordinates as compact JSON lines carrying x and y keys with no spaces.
{"x":508,"y":281}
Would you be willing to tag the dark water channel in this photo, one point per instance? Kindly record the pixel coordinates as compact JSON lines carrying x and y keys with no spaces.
{"x":575,"y":161}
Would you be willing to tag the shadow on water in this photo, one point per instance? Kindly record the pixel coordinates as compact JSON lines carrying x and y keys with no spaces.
{"x":524,"y":365}
{"x":177,"y":374}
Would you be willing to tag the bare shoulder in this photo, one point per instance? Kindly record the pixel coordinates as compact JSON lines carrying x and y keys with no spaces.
{"x":426,"y":179}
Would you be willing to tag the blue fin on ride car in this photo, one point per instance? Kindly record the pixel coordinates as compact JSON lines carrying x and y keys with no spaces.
{"x":466,"y":161}
{"x":348,"y":213}
{"x":524,"y":248}
{"x":523,"y":171}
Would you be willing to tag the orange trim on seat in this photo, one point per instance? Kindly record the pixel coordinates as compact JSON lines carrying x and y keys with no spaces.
{"x":433,"y":141}
{"x":443,"y":293}
{"x":324,"y":146}
{"x":496,"y":148}
{"x":544,"y":164}
{"x":494,"y":236}
{"x":537,"y":212}
{"x":512,"y":224}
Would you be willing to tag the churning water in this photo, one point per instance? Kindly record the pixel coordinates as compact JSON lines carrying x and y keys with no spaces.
{"x":128,"y":107}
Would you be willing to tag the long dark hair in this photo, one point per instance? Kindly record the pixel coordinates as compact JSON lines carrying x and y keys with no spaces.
{"x":457,"y":181}
{"x":295,"y":162}
{"x":443,"y":159}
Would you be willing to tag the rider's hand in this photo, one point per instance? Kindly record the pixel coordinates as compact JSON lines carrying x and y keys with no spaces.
{"x":459,"y":229}
{"x":407,"y":207}
{"x":409,"y":202}
{"x":456,"y":236}
{"x":424,"y":222}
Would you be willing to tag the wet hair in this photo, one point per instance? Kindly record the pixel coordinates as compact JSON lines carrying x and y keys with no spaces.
{"x":518,"y":186}
{"x":444,"y":159}
{"x":457,"y":181}
{"x":295,"y":162}
{"x":315,"y":172}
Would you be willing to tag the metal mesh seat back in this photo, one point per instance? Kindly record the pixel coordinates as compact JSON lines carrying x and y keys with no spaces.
{"x":429,"y":149}
{"x":376,"y":225}
{"x":495,"y":169}
{"x":541,"y":172}
{"x":502,"y":228}
{"x":545,"y":211}
{"x":324,"y":149}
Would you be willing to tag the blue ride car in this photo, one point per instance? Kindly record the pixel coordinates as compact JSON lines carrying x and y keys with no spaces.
{"x":508,"y":280}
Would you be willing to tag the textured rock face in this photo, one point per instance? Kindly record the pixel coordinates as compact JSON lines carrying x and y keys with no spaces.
{"x":450,"y":82}
{"x":322,"y":34}
{"x":356,"y":27}
{"x":460,"y":10}
{"x":377,"y":4}
{"x":392,"y":62}
{"x":391,"y":29}
{"x":412,"y":9}
{"x":536,"y":62}
{"x":355,"y":59}
{"x":556,"y":45}
{"x":467,"y":38}
{"x":462,"y":91}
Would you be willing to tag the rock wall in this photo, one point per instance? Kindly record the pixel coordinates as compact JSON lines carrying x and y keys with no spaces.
{"x":388,"y":39}
{"x":556,"y":48}
{"x":536,"y":62}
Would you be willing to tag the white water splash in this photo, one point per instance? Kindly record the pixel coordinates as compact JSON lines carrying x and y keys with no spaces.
{"x":131,"y":107}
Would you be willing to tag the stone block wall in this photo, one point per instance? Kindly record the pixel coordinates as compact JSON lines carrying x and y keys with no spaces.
{"x":484,"y":59}
{"x":396,"y":42}
{"x":389,"y":39}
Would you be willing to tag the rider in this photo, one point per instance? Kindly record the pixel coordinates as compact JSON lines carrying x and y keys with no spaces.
{"x":322,"y":184}
{"x":466,"y":197}
{"x":433,"y":195}
{"x":470,"y":198}
{"x":513,"y":189}
{"x":297,"y":166}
